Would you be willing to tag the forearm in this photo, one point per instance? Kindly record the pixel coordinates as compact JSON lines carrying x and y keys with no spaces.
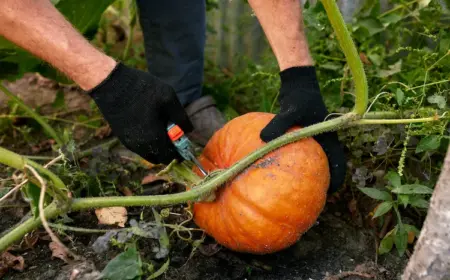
{"x":282,"y":23}
{"x":38,"y":27}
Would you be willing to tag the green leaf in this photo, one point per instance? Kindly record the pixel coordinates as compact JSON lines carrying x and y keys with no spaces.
{"x":33,"y":192}
{"x":58,"y":102}
{"x":393,"y":69}
{"x":419,"y":202}
{"x":394,"y":179}
{"x":401,"y":240}
{"x":126,"y":265}
{"x":428,"y":143}
{"x":83,"y":14}
{"x":386,"y":244}
{"x":400,"y":96}
{"x":413,"y":189}
{"x":375,"y":58}
{"x":439,"y":100}
{"x":376,"y":194}
{"x":403,"y":199}
{"x":423,"y":3}
{"x":391,"y":18}
{"x":382,"y":209}
{"x":161,"y":270}
{"x":372,"y":25}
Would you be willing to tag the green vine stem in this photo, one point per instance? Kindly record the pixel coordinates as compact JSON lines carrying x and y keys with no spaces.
{"x":51,"y":211}
{"x":351,"y":54}
{"x":51,"y":132}
{"x":18,"y":162}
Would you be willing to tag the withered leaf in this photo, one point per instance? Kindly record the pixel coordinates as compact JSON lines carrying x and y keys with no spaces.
{"x":112,"y":216}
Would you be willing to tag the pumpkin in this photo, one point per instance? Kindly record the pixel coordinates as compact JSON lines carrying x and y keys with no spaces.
{"x":271,"y":203}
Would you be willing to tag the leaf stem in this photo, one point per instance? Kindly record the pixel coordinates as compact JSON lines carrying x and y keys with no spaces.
{"x":351,"y":54}
{"x":396,"y":121}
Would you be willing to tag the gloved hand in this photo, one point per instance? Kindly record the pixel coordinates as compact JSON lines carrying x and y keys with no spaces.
{"x":301,"y":104}
{"x":138,"y":107}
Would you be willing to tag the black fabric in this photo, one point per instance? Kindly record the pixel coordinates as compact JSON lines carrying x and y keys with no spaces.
{"x":301,"y":104}
{"x":138,"y":107}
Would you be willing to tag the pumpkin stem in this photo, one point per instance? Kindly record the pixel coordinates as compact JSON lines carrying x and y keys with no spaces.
{"x":351,"y":54}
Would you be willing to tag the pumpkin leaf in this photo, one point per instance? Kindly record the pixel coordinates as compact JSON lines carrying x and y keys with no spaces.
{"x":382,"y":209}
{"x":400,"y":96}
{"x":439,"y":100}
{"x":428,"y":143}
{"x":126,"y":266}
{"x":413,"y":189}
{"x":376,"y":194}
{"x":32,"y":192}
{"x":394,"y":179}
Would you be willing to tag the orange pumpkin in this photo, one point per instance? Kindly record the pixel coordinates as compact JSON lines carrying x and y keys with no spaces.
{"x":274,"y":201}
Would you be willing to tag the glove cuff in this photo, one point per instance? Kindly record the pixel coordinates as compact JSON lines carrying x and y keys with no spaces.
{"x":298,"y":74}
{"x":118,"y":68}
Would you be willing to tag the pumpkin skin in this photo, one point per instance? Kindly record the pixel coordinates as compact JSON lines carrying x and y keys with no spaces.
{"x":274,"y":201}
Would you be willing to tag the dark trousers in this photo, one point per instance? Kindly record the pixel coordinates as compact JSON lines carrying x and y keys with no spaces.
{"x":174,"y":37}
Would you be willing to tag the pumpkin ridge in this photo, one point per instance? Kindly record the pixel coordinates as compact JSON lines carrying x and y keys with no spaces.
{"x":246,"y":234}
{"x":256,"y":208}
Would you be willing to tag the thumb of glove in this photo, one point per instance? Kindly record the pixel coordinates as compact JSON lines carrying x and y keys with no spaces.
{"x":277,"y":127}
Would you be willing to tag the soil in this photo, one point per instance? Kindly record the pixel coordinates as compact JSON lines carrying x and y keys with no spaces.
{"x":341,"y":245}
{"x":332,"y":246}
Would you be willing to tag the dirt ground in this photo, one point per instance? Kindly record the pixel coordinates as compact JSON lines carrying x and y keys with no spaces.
{"x":333,"y":246}
{"x":342,"y":245}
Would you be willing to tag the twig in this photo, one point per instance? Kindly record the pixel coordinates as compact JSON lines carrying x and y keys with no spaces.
{"x":42,"y":213}
{"x":346,"y":274}
{"x":83,"y":230}
{"x":12,"y":191}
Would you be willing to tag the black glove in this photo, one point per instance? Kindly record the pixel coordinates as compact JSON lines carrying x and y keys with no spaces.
{"x":301,"y":104}
{"x":138,"y":107}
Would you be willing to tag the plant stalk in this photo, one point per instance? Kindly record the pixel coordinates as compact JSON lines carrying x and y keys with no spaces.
{"x":51,"y":132}
{"x":51,"y":211}
{"x":18,"y":162}
{"x":351,"y":54}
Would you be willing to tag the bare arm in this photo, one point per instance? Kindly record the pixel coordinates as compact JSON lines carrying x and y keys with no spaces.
{"x":38,"y":27}
{"x":282,"y":23}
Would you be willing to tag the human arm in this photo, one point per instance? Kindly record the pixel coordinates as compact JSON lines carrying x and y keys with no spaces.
{"x":137,"y":105}
{"x":300,"y":100}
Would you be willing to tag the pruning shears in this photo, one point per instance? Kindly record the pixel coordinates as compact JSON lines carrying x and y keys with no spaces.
{"x":183,"y":145}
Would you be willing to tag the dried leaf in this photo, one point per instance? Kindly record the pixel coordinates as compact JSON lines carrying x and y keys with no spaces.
{"x":30,"y":240}
{"x":364,"y":58}
{"x":209,"y":249}
{"x":126,"y":191}
{"x":8,"y":260}
{"x":43,"y":146}
{"x":103,"y":132}
{"x":58,"y":251}
{"x":150,"y":178}
{"x":112,"y":216}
